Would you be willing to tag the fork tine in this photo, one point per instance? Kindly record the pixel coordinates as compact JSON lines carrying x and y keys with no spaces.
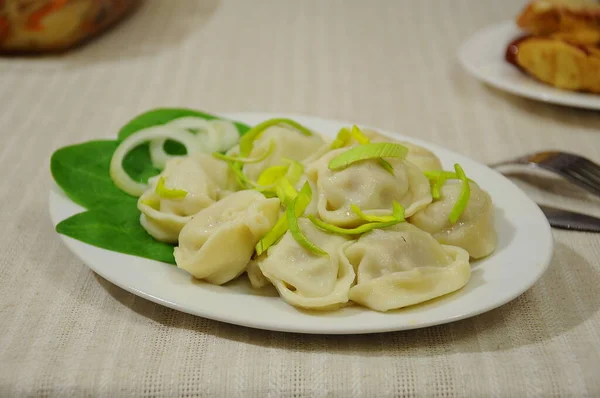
{"x":591,"y":167}
{"x":582,"y":180}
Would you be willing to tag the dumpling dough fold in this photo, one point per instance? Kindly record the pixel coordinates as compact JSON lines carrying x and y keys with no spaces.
{"x":307,"y":280}
{"x":367,"y":185}
{"x":288,"y":143}
{"x":204,"y":178}
{"x":474,"y":231}
{"x":402,"y":266}
{"x":217,"y":244}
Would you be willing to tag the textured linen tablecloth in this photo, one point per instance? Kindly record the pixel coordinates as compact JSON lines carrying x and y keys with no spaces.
{"x":392,"y":64}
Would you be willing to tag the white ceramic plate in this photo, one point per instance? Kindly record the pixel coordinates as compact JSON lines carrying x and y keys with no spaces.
{"x":523,"y":254}
{"x":483,"y":56}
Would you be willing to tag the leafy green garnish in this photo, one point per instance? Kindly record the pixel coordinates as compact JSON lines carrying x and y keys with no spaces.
{"x":247,"y":141}
{"x":367,"y":151}
{"x":463,"y":199}
{"x":116,"y":228}
{"x":166,"y":193}
{"x":82,"y":172}
{"x":112,"y":221}
{"x":292,"y":220}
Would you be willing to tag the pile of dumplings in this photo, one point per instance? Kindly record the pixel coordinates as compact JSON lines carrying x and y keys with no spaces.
{"x":217,"y":226}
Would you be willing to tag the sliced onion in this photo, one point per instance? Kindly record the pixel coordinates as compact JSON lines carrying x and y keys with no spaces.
{"x":227,"y":137}
{"x":120,"y":176}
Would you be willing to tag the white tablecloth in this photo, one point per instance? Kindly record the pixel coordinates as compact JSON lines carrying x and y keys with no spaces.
{"x":65,"y":331}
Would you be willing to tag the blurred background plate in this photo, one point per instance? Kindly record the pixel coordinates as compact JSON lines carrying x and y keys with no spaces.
{"x":483,"y":56}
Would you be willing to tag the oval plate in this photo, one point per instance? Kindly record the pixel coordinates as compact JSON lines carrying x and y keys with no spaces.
{"x":524,"y":251}
{"x":483,"y":56}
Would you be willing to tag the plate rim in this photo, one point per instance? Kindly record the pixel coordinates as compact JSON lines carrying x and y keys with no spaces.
{"x":549,"y":95}
{"x":76,"y":246}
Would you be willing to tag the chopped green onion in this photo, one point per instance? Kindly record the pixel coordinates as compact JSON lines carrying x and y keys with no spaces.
{"x":281,"y":226}
{"x":246,"y":160}
{"x":167,"y":193}
{"x":273,"y":236}
{"x":436,"y":189}
{"x":438,"y":178}
{"x":386,"y":165}
{"x":342,"y":138}
{"x":359,"y":136}
{"x":397,"y":214}
{"x":380,"y":221}
{"x":367,"y":151}
{"x":285,"y":191}
{"x":247,"y":141}
{"x":292,"y":219}
{"x":463,"y":199}
{"x":151,"y":202}
{"x":295,"y":171}
{"x":270,"y":175}
{"x":350,"y":231}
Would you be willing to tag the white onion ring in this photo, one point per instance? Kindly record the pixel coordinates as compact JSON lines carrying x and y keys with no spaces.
{"x":216,"y":135}
{"x":160,"y":157}
{"x":120,"y":176}
{"x":228,"y":135}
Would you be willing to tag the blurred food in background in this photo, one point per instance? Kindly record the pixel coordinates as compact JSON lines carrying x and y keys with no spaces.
{"x":42,"y":26}
{"x":561,"y":46}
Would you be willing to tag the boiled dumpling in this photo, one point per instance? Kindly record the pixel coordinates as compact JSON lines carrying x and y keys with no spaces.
{"x":307,"y":280}
{"x":204,"y":178}
{"x":288,"y":143}
{"x":216,"y":245}
{"x":367,"y":185}
{"x":255,"y":275}
{"x":474,"y":230}
{"x":402,"y":265}
{"x":421,"y":157}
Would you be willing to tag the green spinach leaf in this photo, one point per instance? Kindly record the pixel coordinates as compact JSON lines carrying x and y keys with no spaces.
{"x":112,"y":221}
{"x":118,"y":229}
{"x":82,"y":172}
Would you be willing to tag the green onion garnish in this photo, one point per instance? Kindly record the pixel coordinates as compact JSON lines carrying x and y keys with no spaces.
{"x":246,"y":159}
{"x":396,"y":218}
{"x":349,"y":231}
{"x":167,"y":193}
{"x":359,"y":136}
{"x":367,"y":151}
{"x":386,"y":165}
{"x":342,"y":138}
{"x":295,"y":171}
{"x":438,"y":178}
{"x":463,"y":199}
{"x":247,"y":141}
{"x":397,"y":214}
{"x":285,"y":191}
{"x":302,"y":200}
{"x":292,"y":219}
{"x":151,"y":202}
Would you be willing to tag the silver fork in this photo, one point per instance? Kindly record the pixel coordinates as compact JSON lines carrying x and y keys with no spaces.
{"x":574,"y":168}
